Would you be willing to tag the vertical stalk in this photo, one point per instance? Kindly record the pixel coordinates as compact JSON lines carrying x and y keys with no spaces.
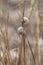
{"x":6,"y":40}
{"x":20,"y":54}
{"x":37,"y":47}
{"x":23,"y":37}
{"x":33,"y":3}
{"x":32,"y":53}
{"x":1,"y":49}
{"x":23,"y":40}
{"x":7,"y":45}
{"x":41,"y":24}
{"x":31,"y":9}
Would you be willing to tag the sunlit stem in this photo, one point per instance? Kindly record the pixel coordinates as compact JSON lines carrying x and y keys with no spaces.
{"x":37,"y":47}
{"x":6,"y":40}
{"x":1,"y":49}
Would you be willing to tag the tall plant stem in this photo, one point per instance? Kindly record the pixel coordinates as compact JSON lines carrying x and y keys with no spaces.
{"x":7,"y":50}
{"x":1,"y":49}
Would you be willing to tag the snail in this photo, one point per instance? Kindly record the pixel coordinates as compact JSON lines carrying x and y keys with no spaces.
{"x":26,"y":21}
{"x":20,"y":30}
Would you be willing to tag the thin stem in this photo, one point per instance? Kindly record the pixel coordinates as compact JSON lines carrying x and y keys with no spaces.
{"x":23,"y":41}
{"x":20,"y":54}
{"x":33,"y":2}
{"x":32,"y":52}
{"x":6,"y":40}
{"x":1,"y":49}
{"x":23,"y":37}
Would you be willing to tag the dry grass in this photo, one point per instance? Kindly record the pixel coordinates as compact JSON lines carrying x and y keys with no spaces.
{"x":6,"y":60}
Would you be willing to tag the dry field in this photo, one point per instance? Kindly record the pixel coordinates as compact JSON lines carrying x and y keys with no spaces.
{"x":14,"y":8}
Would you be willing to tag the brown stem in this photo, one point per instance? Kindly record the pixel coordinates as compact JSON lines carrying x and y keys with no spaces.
{"x":20,"y":54}
{"x":7,"y":53}
{"x":32,"y":53}
{"x":23,"y":37}
{"x":1,"y":49}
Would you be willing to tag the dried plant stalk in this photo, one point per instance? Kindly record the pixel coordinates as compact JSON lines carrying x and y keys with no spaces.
{"x":36,"y":49}
{"x":20,"y":54}
{"x":39,"y":56}
{"x":6,"y":58}
{"x":31,"y":9}
{"x":7,"y":50}
{"x":6,"y":39}
{"x":23,"y":37}
{"x":1,"y":49}
{"x":41,"y":25}
{"x":33,"y":61}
